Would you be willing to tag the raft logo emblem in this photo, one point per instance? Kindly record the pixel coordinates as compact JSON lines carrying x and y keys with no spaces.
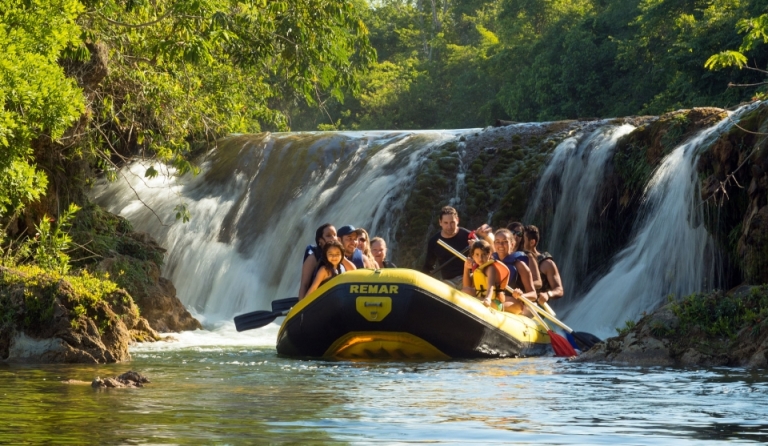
{"x":373,"y":308}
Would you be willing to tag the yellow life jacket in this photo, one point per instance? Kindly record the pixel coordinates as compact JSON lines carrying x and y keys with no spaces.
{"x":480,"y":279}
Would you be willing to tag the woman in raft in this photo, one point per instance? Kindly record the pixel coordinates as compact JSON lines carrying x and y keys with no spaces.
{"x":326,"y":233}
{"x":517,"y":262}
{"x":484,"y":277}
{"x":332,"y":264}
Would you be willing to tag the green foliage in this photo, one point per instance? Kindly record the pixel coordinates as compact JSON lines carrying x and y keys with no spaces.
{"x":465,"y":64}
{"x":51,"y":241}
{"x":36,"y":98}
{"x":41,"y":287}
{"x":720,"y":316}
{"x":629,"y":324}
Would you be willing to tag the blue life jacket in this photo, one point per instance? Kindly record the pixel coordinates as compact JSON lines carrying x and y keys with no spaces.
{"x":314,"y":251}
{"x":510,"y":261}
{"x":357,"y":259}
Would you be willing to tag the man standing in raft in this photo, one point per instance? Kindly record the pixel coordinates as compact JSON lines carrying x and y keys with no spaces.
{"x":349,"y":236}
{"x":455,"y":236}
{"x":552,"y":286}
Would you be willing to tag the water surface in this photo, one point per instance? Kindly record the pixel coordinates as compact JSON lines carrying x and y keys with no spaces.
{"x":223,"y":387}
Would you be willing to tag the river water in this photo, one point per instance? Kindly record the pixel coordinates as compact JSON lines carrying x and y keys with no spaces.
{"x":224,"y":387}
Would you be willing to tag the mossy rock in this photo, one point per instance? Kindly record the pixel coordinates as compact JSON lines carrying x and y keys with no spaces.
{"x":88,"y":313}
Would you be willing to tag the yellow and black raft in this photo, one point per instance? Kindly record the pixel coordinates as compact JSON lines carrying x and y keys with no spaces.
{"x":402,"y":314}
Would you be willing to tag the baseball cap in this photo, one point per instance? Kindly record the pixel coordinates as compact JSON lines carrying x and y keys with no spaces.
{"x":346,"y":230}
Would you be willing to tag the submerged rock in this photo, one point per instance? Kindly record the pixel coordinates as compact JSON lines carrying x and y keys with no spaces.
{"x":127,"y":379}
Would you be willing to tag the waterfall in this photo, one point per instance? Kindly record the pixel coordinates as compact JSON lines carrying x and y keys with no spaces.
{"x":256,"y":205}
{"x":565,"y":195}
{"x":671,"y":251}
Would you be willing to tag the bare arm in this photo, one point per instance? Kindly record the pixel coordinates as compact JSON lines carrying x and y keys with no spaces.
{"x":306,"y":275}
{"x":322,"y":274}
{"x":466,"y":282}
{"x":349,"y":266}
{"x":525,"y":276}
{"x":535,"y":273}
{"x":552,"y":276}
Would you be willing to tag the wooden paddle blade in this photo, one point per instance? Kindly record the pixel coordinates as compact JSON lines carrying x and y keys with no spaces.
{"x":585,"y":340}
{"x":560,"y":345}
{"x":280,"y":305}
{"x":254,"y":319}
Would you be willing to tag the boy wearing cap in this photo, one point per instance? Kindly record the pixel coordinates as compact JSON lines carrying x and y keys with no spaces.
{"x":349,"y":235}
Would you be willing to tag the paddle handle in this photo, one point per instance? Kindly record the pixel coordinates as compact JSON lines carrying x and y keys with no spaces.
{"x":535,"y":309}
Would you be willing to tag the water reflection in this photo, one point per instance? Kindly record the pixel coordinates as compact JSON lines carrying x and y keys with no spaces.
{"x":246,"y":394}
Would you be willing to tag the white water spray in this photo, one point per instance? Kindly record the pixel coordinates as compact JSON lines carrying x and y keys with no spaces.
{"x":671,"y":253}
{"x":569,"y":185}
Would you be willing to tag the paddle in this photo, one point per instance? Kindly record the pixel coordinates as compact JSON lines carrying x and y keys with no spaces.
{"x":256,"y":319}
{"x":436,"y":270}
{"x":560,"y":345}
{"x":284,"y":304}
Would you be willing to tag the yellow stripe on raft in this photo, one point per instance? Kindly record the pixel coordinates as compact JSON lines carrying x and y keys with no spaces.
{"x":519,"y":327}
{"x":383,"y":345}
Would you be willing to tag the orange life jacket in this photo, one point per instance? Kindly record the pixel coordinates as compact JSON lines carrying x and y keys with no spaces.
{"x":480,"y":279}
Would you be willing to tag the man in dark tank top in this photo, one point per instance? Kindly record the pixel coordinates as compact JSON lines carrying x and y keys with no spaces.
{"x":552,"y":285}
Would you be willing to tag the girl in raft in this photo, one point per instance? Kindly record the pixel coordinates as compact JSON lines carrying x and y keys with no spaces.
{"x":484,"y":277}
{"x":332,"y":264}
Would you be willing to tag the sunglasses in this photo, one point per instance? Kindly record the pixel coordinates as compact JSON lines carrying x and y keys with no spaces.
{"x":362,"y":239}
{"x":517,"y":233}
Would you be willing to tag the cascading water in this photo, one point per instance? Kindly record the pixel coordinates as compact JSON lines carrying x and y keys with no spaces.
{"x":565,"y":195}
{"x":257,"y":203}
{"x":260,"y":197}
{"x":671,"y":252}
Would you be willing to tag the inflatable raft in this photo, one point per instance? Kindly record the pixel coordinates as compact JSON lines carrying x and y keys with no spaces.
{"x":402,"y":314}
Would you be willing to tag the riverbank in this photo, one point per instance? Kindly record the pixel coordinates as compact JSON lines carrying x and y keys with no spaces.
{"x":715,"y":329}
{"x":113,"y":297}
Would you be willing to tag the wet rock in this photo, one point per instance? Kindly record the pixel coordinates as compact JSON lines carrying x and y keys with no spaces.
{"x":662,"y":339}
{"x":75,"y":329}
{"x":127,"y":379}
{"x":155,"y":295}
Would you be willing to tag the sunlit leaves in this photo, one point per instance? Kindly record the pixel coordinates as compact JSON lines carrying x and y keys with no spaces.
{"x":37,"y":100}
{"x":725,"y":59}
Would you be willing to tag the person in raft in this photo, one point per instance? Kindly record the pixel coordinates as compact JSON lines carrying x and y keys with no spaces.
{"x":518,"y":231}
{"x":484,"y":277}
{"x":332,"y":264}
{"x":552,"y":287}
{"x":379,"y":251}
{"x":455,"y":236}
{"x":517,"y":263}
{"x":312,"y":256}
{"x":364,"y":245}
{"x":349,"y":236}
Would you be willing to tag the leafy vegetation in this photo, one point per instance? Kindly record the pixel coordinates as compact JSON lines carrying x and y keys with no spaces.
{"x":464,"y":64}
{"x":86,"y":84}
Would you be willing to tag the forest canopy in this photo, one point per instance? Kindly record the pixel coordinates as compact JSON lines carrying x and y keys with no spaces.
{"x":88,"y":84}
{"x":466,"y":63}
